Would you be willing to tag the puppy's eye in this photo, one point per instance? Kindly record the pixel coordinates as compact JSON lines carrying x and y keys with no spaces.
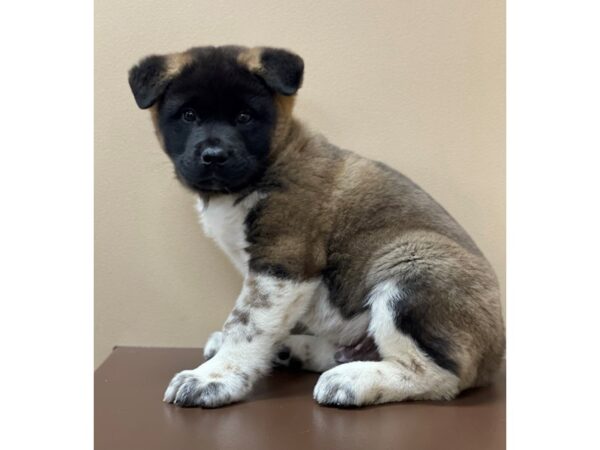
{"x":189,"y":115}
{"x":243,"y":117}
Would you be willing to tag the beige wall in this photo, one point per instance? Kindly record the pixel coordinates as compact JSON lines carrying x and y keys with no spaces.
{"x":418,"y":84}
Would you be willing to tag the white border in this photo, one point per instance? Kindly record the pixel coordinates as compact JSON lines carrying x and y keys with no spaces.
{"x":553,"y":202}
{"x":46,"y":228}
{"x":46,"y":234}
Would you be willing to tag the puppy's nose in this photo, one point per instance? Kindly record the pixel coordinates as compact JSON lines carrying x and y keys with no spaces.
{"x":214,"y":155}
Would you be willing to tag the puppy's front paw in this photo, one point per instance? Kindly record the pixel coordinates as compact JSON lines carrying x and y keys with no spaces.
{"x":213,"y":344}
{"x":206,"y":389}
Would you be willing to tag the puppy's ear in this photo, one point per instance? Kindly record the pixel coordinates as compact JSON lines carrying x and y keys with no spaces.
{"x":149,"y":79}
{"x":281,"y":70}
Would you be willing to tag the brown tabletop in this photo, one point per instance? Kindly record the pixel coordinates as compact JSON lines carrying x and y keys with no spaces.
{"x":281,"y":414}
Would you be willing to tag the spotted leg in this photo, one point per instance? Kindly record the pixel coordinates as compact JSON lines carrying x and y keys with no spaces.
{"x":265,"y":312}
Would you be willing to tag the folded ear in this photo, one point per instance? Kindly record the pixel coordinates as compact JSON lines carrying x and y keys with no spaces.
{"x":149,"y":79}
{"x":281,"y":70}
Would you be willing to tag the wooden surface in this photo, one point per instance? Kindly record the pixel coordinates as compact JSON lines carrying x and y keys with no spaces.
{"x":280,"y":414}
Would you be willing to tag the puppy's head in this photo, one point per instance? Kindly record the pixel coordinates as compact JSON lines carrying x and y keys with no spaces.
{"x":217,"y":110}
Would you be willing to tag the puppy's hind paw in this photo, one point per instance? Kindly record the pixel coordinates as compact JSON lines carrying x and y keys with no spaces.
{"x":333,"y":390}
{"x":284,"y":358}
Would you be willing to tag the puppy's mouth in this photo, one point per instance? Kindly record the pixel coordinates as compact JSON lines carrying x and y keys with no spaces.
{"x":208,"y":182}
{"x":212,"y":183}
{"x":230,"y":177}
{"x":214,"y":180}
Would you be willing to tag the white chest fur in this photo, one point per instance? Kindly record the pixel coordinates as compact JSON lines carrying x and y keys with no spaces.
{"x":223,"y":221}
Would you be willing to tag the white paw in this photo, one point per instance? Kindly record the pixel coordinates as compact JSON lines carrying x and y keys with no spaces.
{"x":213,"y":344}
{"x":207,"y":387}
{"x":342,"y":386}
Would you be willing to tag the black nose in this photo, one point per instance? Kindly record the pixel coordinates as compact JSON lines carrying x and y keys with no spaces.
{"x":214,"y":155}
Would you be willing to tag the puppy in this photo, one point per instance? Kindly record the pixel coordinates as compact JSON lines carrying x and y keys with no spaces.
{"x":344,"y":259}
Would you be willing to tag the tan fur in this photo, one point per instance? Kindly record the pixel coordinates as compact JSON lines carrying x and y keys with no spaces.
{"x":466,"y":297}
{"x":175,"y":63}
{"x":251,"y":58}
{"x":280,"y":137}
{"x":154,"y":116}
{"x":379,"y":225}
{"x":327,"y":215}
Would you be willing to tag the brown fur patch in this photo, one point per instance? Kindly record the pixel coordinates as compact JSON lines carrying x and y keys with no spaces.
{"x":236,"y":317}
{"x":255,"y":297}
{"x":239,"y":326}
{"x":416,"y":367}
{"x":174,"y":64}
{"x":357,"y":223}
{"x":285,"y":106}
{"x":154,"y":116}
{"x":300,"y":328}
{"x":412,"y":366}
{"x":251,"y":58}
